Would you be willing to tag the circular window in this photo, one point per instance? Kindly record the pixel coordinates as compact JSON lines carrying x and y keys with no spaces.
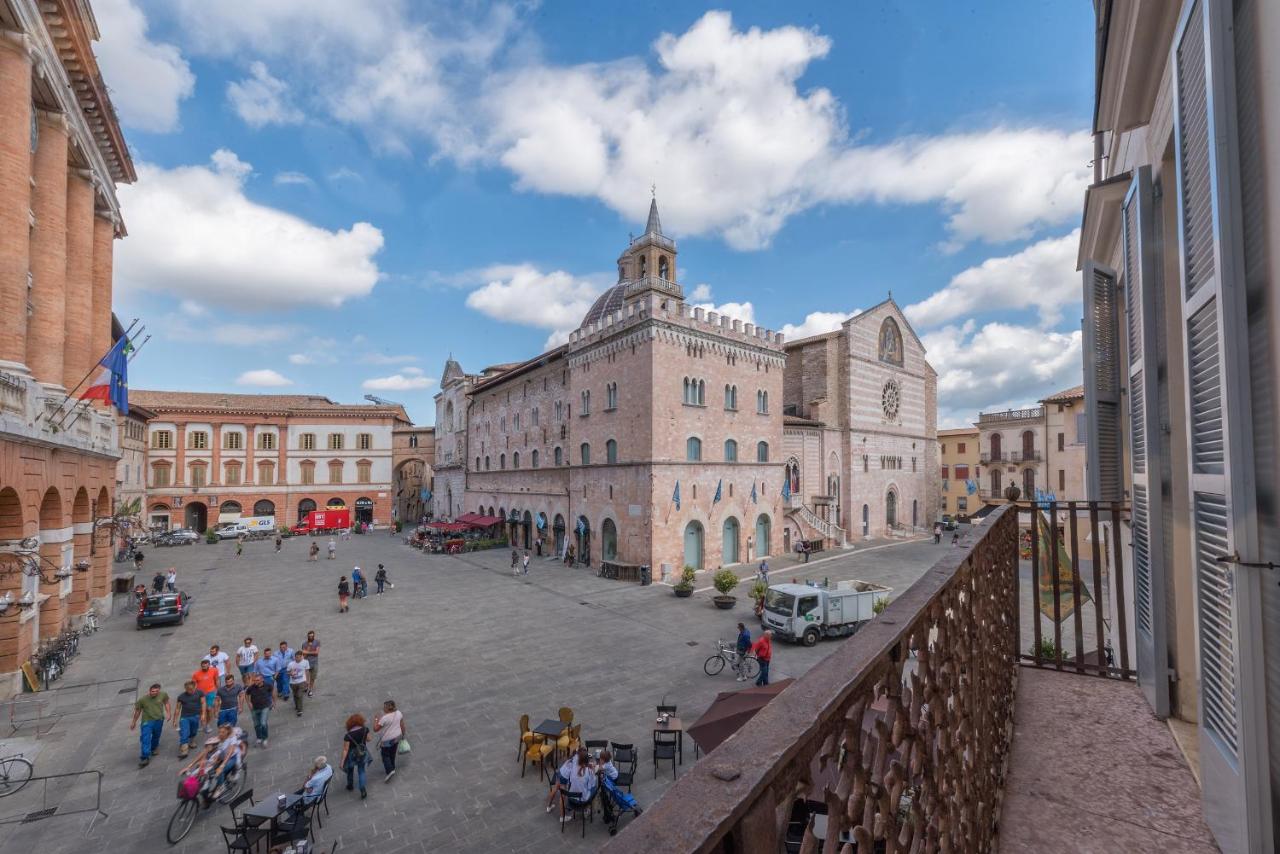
{"x":889,"y":400}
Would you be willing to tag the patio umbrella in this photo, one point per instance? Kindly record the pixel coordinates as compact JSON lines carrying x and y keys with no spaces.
{"x":730,"y":710}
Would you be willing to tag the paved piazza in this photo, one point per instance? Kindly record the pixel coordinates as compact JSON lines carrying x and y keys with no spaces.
{"x":462,"y":647}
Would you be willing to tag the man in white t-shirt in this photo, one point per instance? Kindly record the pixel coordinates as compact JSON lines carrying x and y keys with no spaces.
{"x":218,"y":661}
{"x":298,"y":669}
{"x":246,"y":657}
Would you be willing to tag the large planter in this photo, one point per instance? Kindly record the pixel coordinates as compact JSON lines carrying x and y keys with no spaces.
{"x":725,"y":603}
{"x":683,"y":593}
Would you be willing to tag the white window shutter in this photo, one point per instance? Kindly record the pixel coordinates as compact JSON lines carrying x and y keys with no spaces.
{"x":1102,"y":383}
{"x":1146,"y":440}
{"x":1233,"y":736}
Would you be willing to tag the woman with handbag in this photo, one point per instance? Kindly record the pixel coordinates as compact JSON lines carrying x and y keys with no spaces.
{"x":355,"y":753}
{"x":390,"y":727}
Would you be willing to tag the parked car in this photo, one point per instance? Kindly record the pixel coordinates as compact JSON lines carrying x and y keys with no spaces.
{"x":157,"y":609}
{"x":948,"y":523}
{"x":184,"y":535}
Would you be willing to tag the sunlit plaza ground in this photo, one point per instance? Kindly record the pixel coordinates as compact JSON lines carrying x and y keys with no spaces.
{"x":464,"y":649}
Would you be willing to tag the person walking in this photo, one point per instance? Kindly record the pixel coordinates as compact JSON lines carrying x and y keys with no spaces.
{"x":344,"y":594}
{"x":515,"y":562}
{"x":137,"y":561}
{"x":355,"y":753}
{"x":311,"y":651}
{"x":937,"y":532}
{"x":279,"y":543}
{"x":239,"y":545}
{"x":247,"y":658}
{"x":230,"y":698}
{"x":206,"y":681}
{"x":380,"y":578}
{"x":524,"y":564}
{"x":763,"y":573}
{"x":297,"y":671}
{"x":157,"y":583}
{"x":804,"y":548}
{"x":763,"y":649}
{"x":171,"y":580}
{"x":186,"y":717}
{"x":359,"y":586}
{"x":217,"y":660}
{"x":390,"y":727}
{"x":743,"y":646}
{"x":152,"y":710}
{"x":260,"y":703}
{"x":285,"y":654}
{"x":333,"y":548}
{"x":268,"y":666}
{"x":314,"y":553}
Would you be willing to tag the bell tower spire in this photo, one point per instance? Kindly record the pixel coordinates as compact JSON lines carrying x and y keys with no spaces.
{"x":651,"y":257}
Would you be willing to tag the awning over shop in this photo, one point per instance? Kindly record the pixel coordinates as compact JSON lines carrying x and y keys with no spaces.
{"x":480,"y":521}
{"x":449,"y":527}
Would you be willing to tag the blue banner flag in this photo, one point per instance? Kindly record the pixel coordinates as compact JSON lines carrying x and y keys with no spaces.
{"x":786,"y":489}
{"x":112,"y":384}
{"x":971,"y":486}
{"x":753,"y":492}
{"x":675,"y":496}
{"x":719,"y":484}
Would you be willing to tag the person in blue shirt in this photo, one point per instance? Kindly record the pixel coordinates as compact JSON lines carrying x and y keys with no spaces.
{"x":359,"y":582}
{"x":283,"y":658}
{"x":744,"y":644}
{"x":268,"y":665}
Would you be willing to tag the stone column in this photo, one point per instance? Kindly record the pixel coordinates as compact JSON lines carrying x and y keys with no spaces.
{"x":78,"y":601}
{"x":215,"y":460}
{"x":104,"y":234}
{"x":46,"y":328}
{"x":76,"y":358}
{"x":53,"y":544}
{"x":15,"y":196}
{"x":180,"y":458}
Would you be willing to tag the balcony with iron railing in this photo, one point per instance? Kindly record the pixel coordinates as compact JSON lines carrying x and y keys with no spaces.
{"x":903,"y":739}
{"x":1034,"y":413}
{"x":1020,"y":456}
{"x":32,"y":412}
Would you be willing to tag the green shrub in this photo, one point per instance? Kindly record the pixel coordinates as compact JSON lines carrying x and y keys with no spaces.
{"x":210,"y":536}
{"x":880,"y":604}
{"x":724,"y":580}
{"x":759,"y":589}
{"x":1047,"y":649}
{"x":687,"y":578}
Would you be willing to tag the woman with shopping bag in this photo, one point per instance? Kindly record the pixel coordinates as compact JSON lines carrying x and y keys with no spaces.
{"x":392,"y":737}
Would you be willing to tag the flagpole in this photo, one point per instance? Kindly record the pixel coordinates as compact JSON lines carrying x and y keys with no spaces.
{"x":62,"y":421}
{"x":96,"y":364}
{"x":81,"y":407}
{"x":138,"y":349}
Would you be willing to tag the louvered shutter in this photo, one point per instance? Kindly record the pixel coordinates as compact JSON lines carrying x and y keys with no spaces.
{"x":1102,"y":383}
{"x":1146,"y":441}
{"x":1233,"y":746}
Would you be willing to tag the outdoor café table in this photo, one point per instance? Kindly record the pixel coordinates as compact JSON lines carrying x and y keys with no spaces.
{"x":266,"y":809}
{"x":673,"y":725}
{"x":551,"y":728}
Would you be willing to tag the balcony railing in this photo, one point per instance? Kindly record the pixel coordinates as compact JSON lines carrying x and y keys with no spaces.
{"x":1030,"y":414}
{"x":1032,"y":456}
{"x":900,"y":738}
{"x":987,"y":457}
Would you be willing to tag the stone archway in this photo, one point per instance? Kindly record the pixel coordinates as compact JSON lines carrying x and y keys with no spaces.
{"x":364,"y":511}
{"x":557,"y":532}
{"x":305,"y":506}
{"x":608,"y":540}
{"x":582,"y":532}
{"x":729,"y":536}
{"x":526,"y":529}
{"x":196,"y":516}
{"x":891,"y":508}
{"x":764,"y":535}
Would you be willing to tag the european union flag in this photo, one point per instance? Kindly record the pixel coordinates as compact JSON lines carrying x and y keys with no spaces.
{"x":716,"y":500}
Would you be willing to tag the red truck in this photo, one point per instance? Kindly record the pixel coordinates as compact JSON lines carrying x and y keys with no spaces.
{"x":324,"y":522}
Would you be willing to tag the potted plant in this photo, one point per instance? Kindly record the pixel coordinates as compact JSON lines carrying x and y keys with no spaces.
{"x":210,"y":537}
{"x":878,"y":606}
{"x":684,"y":587}
{"x":724,"y":581}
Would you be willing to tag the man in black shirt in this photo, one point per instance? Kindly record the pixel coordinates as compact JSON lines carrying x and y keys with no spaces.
{"x":186,"y":716}
{"x":260,"y":702}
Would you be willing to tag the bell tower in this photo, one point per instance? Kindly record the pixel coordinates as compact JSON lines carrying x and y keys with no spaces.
{"x":649,"y":263}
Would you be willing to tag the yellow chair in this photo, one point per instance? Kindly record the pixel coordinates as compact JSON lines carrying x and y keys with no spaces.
{"x":566,"y":715}
{"x":568,"y":740}
{"x":538,"y":751}
{"x":526,"y":735}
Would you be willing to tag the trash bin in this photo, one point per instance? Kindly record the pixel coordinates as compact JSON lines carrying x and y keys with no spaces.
{"x":646,"y":576}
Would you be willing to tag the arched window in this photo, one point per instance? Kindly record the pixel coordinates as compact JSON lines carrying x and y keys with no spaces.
{"x":515,"y":460}
{"x":690,"y":392}
{"x":664,"y":270}
{"x":644,"y":267}
{"x":448,"y":416}
{"x":535,"y":459}
{"x":702,"y":392}
{"x":762,"y":452}
{"x":1028,"y":483}
{"x":730,"y":451}
{"x":586,"y":403}
{"x":995,"y":483}
{"x":477,"y":464}
{"x":611,"y":451}
{"x":693,"y":449}
{"x":486,"y":463}
{"x":585,"y":450}
{"x":762,"y":402}
{"x":502,"y":461}
{"x":264,"y":508}
{"x":890,"y":342}
{"x":1028,"y":445}
{"x":559,"y":457}
{"x":611,"y":396}
{"x":995,"y":447}
{"x":608,"y":540}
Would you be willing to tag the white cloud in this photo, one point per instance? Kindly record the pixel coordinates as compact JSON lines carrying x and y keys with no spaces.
{"x":191,"y":309}
{"x":816,"y":323}
{"x":263,"y":377}
{"x":285,"y":178}
{"x":407,"y":380}
{"x":700,"y":297}
{"x":343,"y":173}
{"x":523,"y":294}
{"x":301,"y":359}
{"x":1042,"y":276}
{"x":998,"y":365}
{"x":261,"y":99}
{"x":148,"y":79}
{"x":248,"y":334}
{"x":384,"y":359}
{"x":700,"y":293}
{"x":194,"y":234}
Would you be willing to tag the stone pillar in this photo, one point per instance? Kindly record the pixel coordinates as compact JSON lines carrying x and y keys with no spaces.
{"x":180,"y":458}
{"x":250,"y":475}
{"x":100,"y":572}
{"x":78,"y":601}
{"x":46,"y":328}
{"x":215,"y":462}
{"x":104,"y":234}
{"x":76,"y":358}
{"x":12,"y":629}
{"x":55,"y":551}
{"x":15,"y":196}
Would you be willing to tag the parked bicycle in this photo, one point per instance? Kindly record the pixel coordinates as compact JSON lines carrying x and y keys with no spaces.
{"x":15,"y":772}
{"x":727,"y":654}
{"x":91,"y":623}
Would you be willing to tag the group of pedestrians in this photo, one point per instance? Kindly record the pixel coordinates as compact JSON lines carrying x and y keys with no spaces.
{"x":359,"y":586}
{"x":166,"y":581}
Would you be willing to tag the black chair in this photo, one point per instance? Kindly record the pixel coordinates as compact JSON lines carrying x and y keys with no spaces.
{"x":666,"y":710}
{"x":625,"y":759}
{"x":323,"y":802}
{"x":664,"y":747}
{"x":594,"y":744}
{"x":297,"y":824}
{"x":239,"y":840}
{"x":584,"y":810}
{"x":237,"y":816}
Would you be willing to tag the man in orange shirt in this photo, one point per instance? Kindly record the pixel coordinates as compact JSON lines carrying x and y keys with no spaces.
{"x":206,"y":679}
{"x":763,"y":651}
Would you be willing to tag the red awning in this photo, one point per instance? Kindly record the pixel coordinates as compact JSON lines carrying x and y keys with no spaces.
{"x":480,"y":521}
{"x":449,"y":527}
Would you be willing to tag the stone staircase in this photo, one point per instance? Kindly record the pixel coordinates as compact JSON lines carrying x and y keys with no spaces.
{"x":812,"y":520}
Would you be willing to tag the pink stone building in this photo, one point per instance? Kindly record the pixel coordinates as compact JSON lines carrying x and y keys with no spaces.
{"x":654,"y":436}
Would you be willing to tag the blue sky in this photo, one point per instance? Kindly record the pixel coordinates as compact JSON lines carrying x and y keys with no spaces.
{"x":333,"y":196}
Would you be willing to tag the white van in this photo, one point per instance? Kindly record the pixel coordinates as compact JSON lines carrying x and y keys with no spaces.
{"x":245,"y":527}
{"x":797,"y":612}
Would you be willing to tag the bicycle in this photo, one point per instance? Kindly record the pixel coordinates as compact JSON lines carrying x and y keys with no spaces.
{"x":91,"y":623}
{"x":15,"y":772}
{"x":191,"y":805}
{"x":746,"y":666}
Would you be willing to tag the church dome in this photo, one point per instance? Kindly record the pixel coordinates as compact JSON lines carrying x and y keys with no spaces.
{"x":607,"y":303}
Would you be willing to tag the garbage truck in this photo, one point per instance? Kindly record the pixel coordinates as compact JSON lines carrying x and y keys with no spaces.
{"x":805,"y":614}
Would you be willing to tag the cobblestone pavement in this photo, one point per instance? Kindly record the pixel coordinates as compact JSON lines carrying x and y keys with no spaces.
{"x":462,"y":646}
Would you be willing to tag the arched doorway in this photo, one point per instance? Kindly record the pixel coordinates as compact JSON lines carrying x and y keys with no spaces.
{"x":866,"y":520}
{"x":786,"y":540}
{"x":891,"y":509}
{"x":264,"y":508}
{"x":541,"y":524}
{"x":764,"y":533}
{"x":729,"y":539}
{"x":582,"y":531}
{"x":557,"y":532}
{"x":159,"y":516}
{"x":196,"y":516}
{"x":335,"y":504}
{"x":693,"y":536}
{"x":526,"y":529}
{"x":229,"y":511}
{"x":305,"y":506}
{"x":995,"y":447}
{"x":364,"y":510}
{"x":608,"y":540}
